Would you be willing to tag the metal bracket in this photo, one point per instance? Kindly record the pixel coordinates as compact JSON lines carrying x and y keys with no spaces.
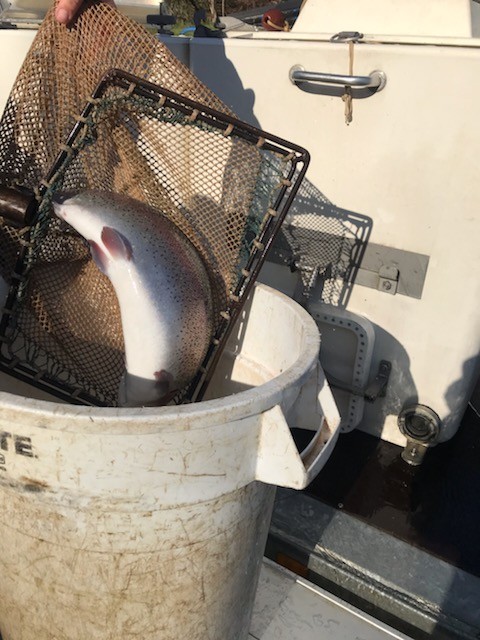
{"x":386,"y":269}
{"x":388,"y":277}
{"x":347,"y":36}
{"x":378,"y":387}
{"x":393,"y":270}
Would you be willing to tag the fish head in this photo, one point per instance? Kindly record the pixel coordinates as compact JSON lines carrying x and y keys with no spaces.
{"x":93,"y":215}
{"x":86,"y":211}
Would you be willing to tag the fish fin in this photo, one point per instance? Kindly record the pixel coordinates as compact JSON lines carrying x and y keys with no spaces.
{"x":163,"y":380}
{"x":99,"y":256}
{"x":117,"y":244}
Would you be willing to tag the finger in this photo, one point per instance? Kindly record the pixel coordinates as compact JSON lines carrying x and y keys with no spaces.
{"x":66,"y":10}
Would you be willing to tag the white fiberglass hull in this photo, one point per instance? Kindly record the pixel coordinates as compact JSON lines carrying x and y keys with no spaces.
{"x":406,"y":166}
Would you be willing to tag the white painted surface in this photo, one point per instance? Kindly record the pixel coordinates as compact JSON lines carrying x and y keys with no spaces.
{"x":290,"y":608}
{"x":409,"y":17}
{"x":14,"y":45}
{"x":408,"y":164}
{"x":180,"y":47}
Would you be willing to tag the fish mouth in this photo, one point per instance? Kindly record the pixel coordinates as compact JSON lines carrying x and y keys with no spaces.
{"x":58,"y":200}
{"x":60,"y":197}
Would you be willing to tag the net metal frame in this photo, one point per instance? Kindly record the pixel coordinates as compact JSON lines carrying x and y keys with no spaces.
{"x":294,"y":161}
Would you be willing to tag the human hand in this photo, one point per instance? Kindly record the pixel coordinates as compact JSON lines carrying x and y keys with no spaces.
{"x":67,"y":9}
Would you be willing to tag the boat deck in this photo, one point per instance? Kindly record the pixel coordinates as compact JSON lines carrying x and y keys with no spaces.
{"x":397,"y":541}
{"x":288,"y":607}
{"x":433,"y":507}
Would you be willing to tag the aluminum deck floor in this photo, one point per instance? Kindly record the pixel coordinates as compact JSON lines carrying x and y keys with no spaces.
{"x":288,"y":607}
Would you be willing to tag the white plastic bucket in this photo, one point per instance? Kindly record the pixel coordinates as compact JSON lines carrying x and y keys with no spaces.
{"x":151,"y":523}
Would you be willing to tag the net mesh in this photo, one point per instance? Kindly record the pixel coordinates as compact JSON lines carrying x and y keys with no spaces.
{"x":216,"y":182}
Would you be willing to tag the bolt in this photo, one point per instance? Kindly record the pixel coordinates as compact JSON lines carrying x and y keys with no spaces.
{"x":386,"y":285}
{"x":414,"y":453}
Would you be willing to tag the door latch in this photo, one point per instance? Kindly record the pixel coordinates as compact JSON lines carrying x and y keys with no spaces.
{"x":378,"y":386}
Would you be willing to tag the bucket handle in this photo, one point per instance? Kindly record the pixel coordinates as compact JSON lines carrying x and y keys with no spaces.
{"x":278,"y":459}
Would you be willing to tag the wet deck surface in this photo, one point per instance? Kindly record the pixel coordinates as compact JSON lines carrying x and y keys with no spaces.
{"x":435,"y":507}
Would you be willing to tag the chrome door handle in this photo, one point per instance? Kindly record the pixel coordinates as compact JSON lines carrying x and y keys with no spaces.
{"x":376,"y":80}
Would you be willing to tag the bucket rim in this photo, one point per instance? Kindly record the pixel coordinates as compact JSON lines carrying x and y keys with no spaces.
{"x":56,"y":416}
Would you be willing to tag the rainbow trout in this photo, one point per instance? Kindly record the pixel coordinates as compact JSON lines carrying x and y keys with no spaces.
{"x":162,"y":288}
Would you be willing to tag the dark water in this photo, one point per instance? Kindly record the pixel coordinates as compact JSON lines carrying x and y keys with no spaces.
{"x":435,"y":506}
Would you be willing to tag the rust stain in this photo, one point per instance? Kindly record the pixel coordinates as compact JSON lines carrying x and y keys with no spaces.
{"x":34,"y":485}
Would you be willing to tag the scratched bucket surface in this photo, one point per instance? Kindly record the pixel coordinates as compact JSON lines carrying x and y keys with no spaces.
{"x":151,"y":523}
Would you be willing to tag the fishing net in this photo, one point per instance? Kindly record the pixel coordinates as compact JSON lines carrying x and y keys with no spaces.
{"x":104,"y":105}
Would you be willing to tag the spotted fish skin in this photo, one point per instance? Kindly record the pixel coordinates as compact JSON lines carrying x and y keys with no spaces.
{"x":162,"y":288}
